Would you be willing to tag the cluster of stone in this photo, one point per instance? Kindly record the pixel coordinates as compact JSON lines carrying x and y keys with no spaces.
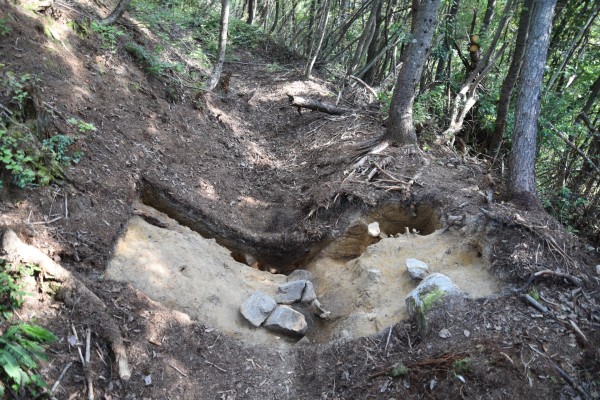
{"x":276,"y":314}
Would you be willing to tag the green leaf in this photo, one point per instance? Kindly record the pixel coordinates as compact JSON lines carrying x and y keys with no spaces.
{"x":10,"y":366}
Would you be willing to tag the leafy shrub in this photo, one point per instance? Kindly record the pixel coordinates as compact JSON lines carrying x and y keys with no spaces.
{"x":4,"y":29}
{"x":12,"y":288}
{"x":28,"y":160}
{"x":20,"y":351}
{"x":21,"y":345}
{"x":150,"y":60}
{"x":108,"y":35}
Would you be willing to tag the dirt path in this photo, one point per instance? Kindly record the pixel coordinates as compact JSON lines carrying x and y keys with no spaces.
{"x":244,"y":168}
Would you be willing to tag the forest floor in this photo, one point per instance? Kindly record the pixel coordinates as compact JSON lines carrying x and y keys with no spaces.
{"x":275,"y":185}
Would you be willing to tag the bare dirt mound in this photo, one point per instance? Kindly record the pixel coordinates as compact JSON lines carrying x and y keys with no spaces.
{"x":245,"y":169}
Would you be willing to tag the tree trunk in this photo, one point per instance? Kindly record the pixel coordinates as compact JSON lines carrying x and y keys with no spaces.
{"x":521,"y":180}
{"x":573,"y":46}
{"x":487,"y":18}
{"x":374,"y":46}
{"x":322,"y":30}
{"x":276,"y":17}
{"x":117,"y":13}
{"x":251,"y":12}
{"x":495,"y":140}
{"x":400,"y":129}
{"x":594,"y":91}
{"x":467,"y":97}
{"x":216,"y":74}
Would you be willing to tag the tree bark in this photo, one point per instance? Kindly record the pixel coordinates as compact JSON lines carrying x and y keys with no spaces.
{"x":374,"y":45}
{"x":251,"y":12}
{"x":315,"y":105}
{"x":116,"y":13}
{"x":218,"y":69}
{"x":314,"y":51}
{"x":400,"y":129}
{"x":487,"y":18}
{"x":508,"y":84}
{"x":521,"y":180}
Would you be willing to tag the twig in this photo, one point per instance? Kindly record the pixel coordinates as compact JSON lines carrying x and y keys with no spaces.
{"x":88,"y":336}
{"x":369,"y":88}
{"x":388,"y":340}
{"x":46,"y":222}
{"x":579,"y":333}
{"x":177,"y":369}
{"x":535,"y":303}
{"x":547,"y":272}
{"x":572,"y":382}
{"x":78,"y":348}
{"x":214,"y":365}
{"x":62,"y":375}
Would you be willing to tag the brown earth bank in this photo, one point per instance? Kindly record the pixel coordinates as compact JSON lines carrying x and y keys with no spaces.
{"x":279,"y":187}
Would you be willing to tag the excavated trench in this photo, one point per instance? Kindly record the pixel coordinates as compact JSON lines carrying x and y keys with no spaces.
{"x":180,"y":260}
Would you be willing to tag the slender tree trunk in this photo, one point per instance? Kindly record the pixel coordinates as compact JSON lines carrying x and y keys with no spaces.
{"x":400,"y":129}
{"x":218,"y":69}
{"x":573,"y":46}
{"x":276,"y":17}
{"x":487,"y":18}
{"x":509,"y":81}
{"x":594,"y":91}
{"x":251,"y":12}
{"x":522,"y":157}
{"x":116,"y":14}
{"x":322,"y":30}
{"x":374,"y":46}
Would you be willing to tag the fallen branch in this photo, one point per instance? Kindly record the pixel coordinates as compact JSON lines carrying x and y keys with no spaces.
{"x":72,"y":291}
{"x":541,"y":308}
{"x":62,"y":375}
{"x":364,"y":84}
{"x":542,"y":274}
{"x":315,"y":105}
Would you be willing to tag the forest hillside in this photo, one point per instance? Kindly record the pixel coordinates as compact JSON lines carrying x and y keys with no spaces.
{"x":307,"y":199}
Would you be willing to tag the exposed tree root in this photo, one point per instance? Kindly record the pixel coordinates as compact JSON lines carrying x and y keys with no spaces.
{"x":72,"y":291}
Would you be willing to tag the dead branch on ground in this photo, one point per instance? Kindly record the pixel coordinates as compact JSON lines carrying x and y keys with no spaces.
{"x":72,"y":292}
{"x":315,"y":105}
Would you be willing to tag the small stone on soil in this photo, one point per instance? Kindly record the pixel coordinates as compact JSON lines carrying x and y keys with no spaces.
{"x":300,"y":275}
{"x":309,"y":293}
{"x":373,"y":229}
{"x":445,"y":334}
{"x":290,"y":292}
{"x":257,"y":308}
{"x":286,"y":320}
{"x":417,"y":269}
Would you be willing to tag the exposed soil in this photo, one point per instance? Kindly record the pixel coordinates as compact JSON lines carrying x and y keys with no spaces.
{"x":244,"y":168}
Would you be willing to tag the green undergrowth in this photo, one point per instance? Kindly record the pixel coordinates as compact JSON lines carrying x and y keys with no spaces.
{"x":29,"y":154}
{"x":193,"y":28}
{"x":21,"y":344}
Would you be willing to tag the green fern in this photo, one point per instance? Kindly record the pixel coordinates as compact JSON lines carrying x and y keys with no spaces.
{"x":21,"y":348}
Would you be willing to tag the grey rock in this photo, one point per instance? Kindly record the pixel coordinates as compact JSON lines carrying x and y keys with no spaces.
{"x":257,"y":308}
{"x":445,"y":334}
{"x":285,"y":320}
{"x":290,"y":292}
{"x":417,"y":269}
{"x":303,"y":342}
{"x":598,"y":269}
{"x":300,"y":275}
{"x":373,"y":229}
{"x":309,"y":293}
{"x":431,"y":290}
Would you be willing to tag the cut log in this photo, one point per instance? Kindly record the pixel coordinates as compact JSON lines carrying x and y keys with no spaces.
{"x":72,"y":293}
{"x":316,"y":105}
